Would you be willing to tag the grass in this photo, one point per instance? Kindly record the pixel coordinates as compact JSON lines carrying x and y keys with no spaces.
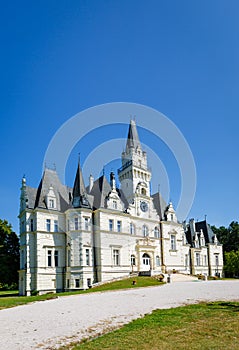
{"x":207,"y":326}
{"x":4,"y":293}
{"x":11,"y":301}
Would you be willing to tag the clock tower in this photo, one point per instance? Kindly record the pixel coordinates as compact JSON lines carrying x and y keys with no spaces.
{"x":134,"y":174}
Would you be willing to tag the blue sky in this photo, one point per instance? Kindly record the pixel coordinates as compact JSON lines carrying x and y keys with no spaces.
{"x":178,"y":57}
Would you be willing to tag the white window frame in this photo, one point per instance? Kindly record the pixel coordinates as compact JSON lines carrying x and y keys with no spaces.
{"x":156,"y":232}
{"x":87,"y":257}
{"x":49,"y":257}
{"x":31,"y":225}
{"x":198,"y":259}
{"x":48,"y":225}
{"x":87,"y":223}
{"x":56,"y":228}
{"x":111,"y":225}
{"x":173,"y":245}
{"x":132,"y":260}
{"x":116,"y":257}
{"x":132,"y":228}
{"x":51,"y":202}
{"x":76,"y":223}
{"x":145,"y":230}
{"x":119,"y":226}
{"x":77,"y":283}
{"x":186,"y":260}
{"x":56,"y":258}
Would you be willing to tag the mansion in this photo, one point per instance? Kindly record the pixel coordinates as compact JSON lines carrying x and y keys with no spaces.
{"x":72,"y":238}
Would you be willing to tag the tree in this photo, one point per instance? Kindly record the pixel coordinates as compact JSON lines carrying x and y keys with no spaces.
{"x":229,"y":237}
{"x":9,"y":254}
{"x":231,"y":264}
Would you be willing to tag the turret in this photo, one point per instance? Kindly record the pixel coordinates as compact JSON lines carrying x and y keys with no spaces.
{"x":79,"y":192}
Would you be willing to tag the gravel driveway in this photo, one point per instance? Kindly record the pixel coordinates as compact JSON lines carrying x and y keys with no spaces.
{"x":48,"y":324}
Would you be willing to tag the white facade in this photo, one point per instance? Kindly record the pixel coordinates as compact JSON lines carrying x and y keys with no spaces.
{"x":73,"y":238}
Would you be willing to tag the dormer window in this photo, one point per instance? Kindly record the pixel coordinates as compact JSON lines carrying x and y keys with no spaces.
{"x":51,"y":199}
{"x":51,"y":203}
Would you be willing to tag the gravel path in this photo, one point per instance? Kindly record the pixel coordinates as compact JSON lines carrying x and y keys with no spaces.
{"x":49,"y":324}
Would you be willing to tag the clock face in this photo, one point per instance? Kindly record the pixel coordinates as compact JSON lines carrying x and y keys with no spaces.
{"x":144,"y":206}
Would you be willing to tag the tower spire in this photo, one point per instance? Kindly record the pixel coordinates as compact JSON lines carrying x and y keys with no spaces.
{"x":79,"y":191}
{"x":133,"y":138}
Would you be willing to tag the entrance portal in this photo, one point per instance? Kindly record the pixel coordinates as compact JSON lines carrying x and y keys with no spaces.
{"x":146,"y":262}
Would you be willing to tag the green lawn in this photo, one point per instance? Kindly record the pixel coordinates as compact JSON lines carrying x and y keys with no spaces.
{"x":4,"y":293}
{"x":209,"y":326}
{"x":11,"y":301}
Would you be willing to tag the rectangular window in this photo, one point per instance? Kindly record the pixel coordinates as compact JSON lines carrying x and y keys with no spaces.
{"x":111,"y":225}
{"x":68,"y":283}
{"x":89,"y":282}
{"x":69,"y":257}
{"x":116,"y":257}
{"x":56,"y":258}
{"x":118,"y":226}
{"x":186,"y":260}
{"x":48,"y":225}
{"x":173,"y":242}
{"x":32,"y":225}
{"x":87,"y":257}
{"x":55,"y":225}
{"x":197,"y":259}
{"x":77,"y":283}
{"x":49,"y":258}
{"x":132,"y":260}
{"x":205,"y":260}
{"x":132,"y":228}
{"x":87,"y":224}
{"x":76,"y":224}
{"x":51,"y":203}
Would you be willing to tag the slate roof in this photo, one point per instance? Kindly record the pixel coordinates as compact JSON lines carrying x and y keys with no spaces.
{"x":208,"y":232}
{"x":100,"y":191}
{"x":50,"y":178}
{"x":200,"y":225}
{"x":159,"y":204}
{"x":80,"y":198}
{"x":133,"y":138}
{"x":31,"y":196}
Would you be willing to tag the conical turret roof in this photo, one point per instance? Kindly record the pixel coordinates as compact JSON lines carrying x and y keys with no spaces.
{"x":79,"y":192}
{"x":133,"y":138}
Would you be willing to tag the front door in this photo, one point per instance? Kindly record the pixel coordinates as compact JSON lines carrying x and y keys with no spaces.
{"x":146,"y":264}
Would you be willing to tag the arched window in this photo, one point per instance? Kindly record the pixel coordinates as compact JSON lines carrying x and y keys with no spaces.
{"x":143,"y":191}
{"x":133,"y":261}
{"x":145,"y":231}
{"x":156,"y":232}
{"x":157,"y":261}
